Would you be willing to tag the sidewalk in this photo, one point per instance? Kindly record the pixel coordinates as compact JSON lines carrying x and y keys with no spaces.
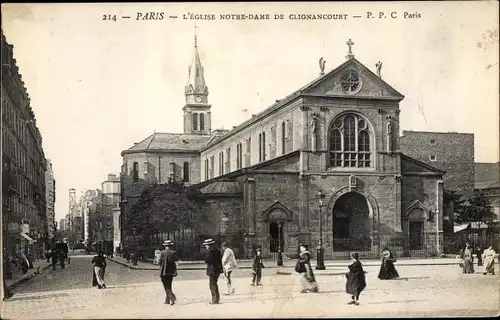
{"x":19,"y":278}
{"x":288,"y":263}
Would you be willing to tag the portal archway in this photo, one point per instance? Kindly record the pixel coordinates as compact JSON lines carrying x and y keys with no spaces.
{"x":351,"y":223}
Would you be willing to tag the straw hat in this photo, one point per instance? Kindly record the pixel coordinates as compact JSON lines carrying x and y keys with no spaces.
{"x":168,"y":243}
{"x":208,"y":242}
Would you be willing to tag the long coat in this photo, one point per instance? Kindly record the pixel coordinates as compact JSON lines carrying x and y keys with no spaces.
{"x":213,"y":260}
{"x":229,"y":260}
{"x":356,"y":281}
{"x":168,"y":267}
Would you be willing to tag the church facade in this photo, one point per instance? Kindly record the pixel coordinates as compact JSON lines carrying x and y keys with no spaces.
{"x":337,"y":135}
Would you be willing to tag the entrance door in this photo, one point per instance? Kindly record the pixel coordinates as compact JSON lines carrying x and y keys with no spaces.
{"x":276,"y":235}
{"x":416,"y":235}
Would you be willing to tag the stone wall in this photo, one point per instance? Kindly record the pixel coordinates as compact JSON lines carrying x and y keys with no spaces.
{"x":453,"y":152}
{"x":157,"y":167}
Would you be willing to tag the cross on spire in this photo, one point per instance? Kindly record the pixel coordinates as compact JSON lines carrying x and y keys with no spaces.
{"x":195,"y":37}
{"x":350,"y":55}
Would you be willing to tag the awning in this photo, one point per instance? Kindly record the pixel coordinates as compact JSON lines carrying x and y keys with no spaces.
{"x":460,"y":227}
{"x":25,"y":236}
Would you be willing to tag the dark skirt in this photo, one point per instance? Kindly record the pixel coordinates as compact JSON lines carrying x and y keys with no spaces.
{"x":387,"y":271}
{"x":468,"y":265}
{"x":356,"y":283}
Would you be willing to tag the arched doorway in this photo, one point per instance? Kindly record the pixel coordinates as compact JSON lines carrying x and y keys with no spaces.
{"x":276,"y":235}
{"x":416,"y":222}
{"x":351,"y":223}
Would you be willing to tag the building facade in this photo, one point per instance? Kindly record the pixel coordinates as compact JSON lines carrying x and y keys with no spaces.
{"x":63,"y":225}
{"x":111,"y":208}
{"x":487,"y":184}
{"x":451,"y":152}
{"x":23,"y":165}
{"x":337,"y":135}
{"x":50,"y":199}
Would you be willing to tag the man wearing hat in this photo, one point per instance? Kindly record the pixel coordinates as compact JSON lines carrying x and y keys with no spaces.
{"x":168,"y":270}
{"x":214,"y":268}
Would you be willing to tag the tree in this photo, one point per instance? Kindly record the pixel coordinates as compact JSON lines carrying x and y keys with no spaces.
{"x":166,"y":208}
{"x":474,"y":209}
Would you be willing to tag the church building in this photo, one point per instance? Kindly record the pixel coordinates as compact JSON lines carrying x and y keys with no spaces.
{"x":337,"y":136}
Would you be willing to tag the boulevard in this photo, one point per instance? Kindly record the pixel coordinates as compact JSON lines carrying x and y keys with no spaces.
{"x":423,"y":291}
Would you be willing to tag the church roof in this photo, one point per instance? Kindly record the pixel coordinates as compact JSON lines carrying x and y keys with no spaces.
{"x":486,"y":172}
{"x":305,"y":90}
{"x":411,"y":166}
{"x":170,"y":142}
{"x":222,"y":187}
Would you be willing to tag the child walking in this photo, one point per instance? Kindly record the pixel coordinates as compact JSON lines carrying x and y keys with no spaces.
{"x":257,"y":268}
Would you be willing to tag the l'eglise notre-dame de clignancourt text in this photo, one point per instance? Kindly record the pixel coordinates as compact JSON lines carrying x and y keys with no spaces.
{"x":337,"y":134}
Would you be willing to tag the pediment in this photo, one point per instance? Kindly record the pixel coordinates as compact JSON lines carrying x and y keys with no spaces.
{"x":371,"y":85}
{"x":418,"y":211}
{"x":410,"y":165}
{"x":277,"y":212}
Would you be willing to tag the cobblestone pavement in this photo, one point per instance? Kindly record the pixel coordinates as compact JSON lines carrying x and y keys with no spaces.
{"x":426,"y":291}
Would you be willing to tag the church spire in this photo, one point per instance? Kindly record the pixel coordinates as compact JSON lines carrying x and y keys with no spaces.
{"x":196,"y":90}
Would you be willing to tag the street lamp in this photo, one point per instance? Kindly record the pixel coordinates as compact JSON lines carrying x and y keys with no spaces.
{"x":320,"y":259}
{"x":280,"y":256}
{"x":133,"y":231}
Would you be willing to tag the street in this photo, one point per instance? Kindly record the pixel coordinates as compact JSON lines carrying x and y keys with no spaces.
{"x":424,"y":291}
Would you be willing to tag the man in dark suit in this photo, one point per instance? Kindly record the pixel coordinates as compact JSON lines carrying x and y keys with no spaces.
{"x":214,"y":268}
{"x":168,"y":270}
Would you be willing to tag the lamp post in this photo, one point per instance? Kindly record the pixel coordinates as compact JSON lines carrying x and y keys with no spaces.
{"x":320,"y":259}
{"x":280,"y":256}
{"x":134,"y":230}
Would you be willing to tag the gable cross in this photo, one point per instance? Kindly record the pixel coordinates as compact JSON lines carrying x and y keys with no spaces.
{"x":349,"y":54}
{"x":195,"y":37}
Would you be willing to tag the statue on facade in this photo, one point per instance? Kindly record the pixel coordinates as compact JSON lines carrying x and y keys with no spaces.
{"x":322,"y":63}
{"x":314,"y":123}
{"x":378,"y":65}
{"x":314,"y":128}
{"x":389,"y":133}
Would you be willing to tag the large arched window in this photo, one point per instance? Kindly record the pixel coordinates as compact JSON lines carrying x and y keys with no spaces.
{"x":350,"y":142}
{"x":186,"y":172}
{"x":283,"y":136}
{"x":195,"y":121}
{"x":202,"y":121}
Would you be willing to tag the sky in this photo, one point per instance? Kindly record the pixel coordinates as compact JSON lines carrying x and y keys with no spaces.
{"x":97,"y":86}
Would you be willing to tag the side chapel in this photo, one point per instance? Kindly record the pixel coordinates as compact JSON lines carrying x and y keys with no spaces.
{"x":338,"y":135}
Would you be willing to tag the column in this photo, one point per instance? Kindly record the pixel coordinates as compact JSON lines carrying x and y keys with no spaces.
{"x":208,"y":122}
{"x":439,"y":217}
{"x":380,"y":141}
{"x":251,"y":205}
{"x":304,"y":205}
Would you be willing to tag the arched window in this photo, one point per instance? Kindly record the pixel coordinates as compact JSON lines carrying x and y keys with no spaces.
{"x":135,"y":172}
{"x":186,"y":172}
{"x":283,"y":136}
{"x":350,"y":142}
{"x":202,"y":121}
{"x":195,"y":121}
{"x":263,"y":146}
{"x":260,"y":147}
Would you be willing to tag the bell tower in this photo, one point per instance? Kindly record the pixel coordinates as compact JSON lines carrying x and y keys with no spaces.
{"x":197,"y":117}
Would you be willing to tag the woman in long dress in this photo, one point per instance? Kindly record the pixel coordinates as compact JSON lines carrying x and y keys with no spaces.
{"x":468,"y":260}
{"x":489,"y":261}
{"x":387,"y":269}
{"x":356,"y":281}
{"x":307,"y":279}
{"x":99,"y":269}
{"x":156,"y":260}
